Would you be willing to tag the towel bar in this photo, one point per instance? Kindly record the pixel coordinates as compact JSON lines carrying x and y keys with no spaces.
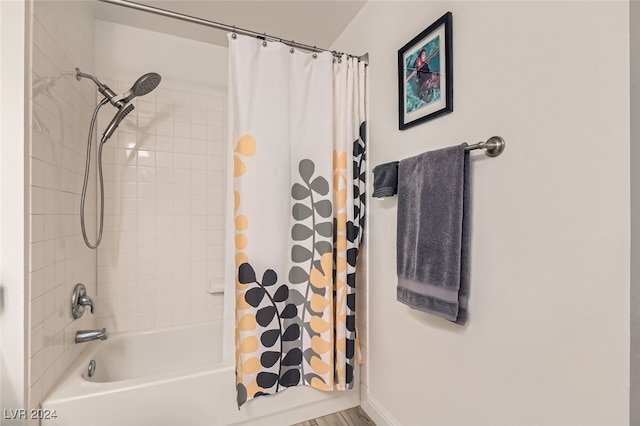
{"x":492,"y":147}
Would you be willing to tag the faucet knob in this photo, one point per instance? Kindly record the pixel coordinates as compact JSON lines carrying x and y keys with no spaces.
{"x":79,"y":300}
{"x":86,"y":301}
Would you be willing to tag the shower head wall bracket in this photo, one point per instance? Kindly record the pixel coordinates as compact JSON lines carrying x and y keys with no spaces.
{"x":102,"y":88}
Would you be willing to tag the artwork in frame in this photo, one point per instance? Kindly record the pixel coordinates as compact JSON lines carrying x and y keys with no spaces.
{"x":425,"y":74}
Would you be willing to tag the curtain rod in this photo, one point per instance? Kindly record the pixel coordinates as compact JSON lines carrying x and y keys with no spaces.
{"x":231,"y":28}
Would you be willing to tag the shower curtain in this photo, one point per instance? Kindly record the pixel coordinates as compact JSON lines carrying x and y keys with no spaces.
{"x":297,"y":124}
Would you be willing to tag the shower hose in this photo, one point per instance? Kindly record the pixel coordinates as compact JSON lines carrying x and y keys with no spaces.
{"x":86,"y":180}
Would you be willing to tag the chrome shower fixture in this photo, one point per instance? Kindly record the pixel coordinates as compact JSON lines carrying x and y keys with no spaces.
{"x":102,"y":88}
{"x":120,"y":115}
{"x":142,"y":86}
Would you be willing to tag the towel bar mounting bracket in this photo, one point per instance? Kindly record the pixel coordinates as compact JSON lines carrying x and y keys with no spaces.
{"x":493,"y":147}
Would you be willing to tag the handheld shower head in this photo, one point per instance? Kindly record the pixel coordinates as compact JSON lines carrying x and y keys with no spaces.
{"x":115,"y":121}
{"x":142,"y":86}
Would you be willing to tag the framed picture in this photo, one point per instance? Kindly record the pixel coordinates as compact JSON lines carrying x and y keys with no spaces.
{"x":425,"y":74}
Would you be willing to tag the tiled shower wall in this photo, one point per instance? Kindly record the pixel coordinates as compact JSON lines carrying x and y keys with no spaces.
{"x":61,"y":39}
{"x":163,"y":243}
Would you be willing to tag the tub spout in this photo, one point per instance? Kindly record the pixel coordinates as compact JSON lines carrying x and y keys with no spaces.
{"x":89,"y":335}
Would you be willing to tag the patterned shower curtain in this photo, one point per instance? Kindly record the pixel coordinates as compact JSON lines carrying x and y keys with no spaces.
{"x":297,"y":125}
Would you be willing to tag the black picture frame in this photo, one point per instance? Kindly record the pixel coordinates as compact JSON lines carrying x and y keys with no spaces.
{"x":425,"y":94}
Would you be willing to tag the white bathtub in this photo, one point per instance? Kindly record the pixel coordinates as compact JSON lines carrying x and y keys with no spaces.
{"x":173,"y":376}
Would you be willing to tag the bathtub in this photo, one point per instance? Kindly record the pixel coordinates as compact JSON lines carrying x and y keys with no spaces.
{"x":173,"y":376}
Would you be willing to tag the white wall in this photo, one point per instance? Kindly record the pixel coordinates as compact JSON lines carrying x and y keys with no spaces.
{"x":61,"y":39}
{"x":122,"y":52}
{"x":13,"y":388}
{"x":547,"y":341}
{"x":635,"y":211}
{"x":164,"y":182}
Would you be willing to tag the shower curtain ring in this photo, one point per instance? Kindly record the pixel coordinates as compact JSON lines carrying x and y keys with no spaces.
{"x":233,"y":33}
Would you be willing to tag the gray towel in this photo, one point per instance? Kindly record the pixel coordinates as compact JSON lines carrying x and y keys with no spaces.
{"x":433,"y":233}
{"x":385,"y":180}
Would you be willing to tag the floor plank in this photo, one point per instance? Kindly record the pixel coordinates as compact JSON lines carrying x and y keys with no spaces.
{"x":352,"y":417}
{"x":356,"y":417}
{"x":334,"y":419}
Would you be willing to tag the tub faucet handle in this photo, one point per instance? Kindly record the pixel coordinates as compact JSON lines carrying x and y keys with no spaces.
{"x":79,"y":300}
{"x":86,"y":301}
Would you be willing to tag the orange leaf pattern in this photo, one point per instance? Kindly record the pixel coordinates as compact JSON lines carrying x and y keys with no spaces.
{"x":301,"y":331}
{"x":295,"y":320}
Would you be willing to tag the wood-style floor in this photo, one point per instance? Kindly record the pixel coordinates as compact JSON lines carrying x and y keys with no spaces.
{"x":352,"y":417}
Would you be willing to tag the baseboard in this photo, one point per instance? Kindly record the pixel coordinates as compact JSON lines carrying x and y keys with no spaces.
{"x":307,"y":403}
{"x":378,"y":414}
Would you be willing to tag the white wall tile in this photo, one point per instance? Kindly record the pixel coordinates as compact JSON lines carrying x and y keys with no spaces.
{"x":182,"y":129}
{"x":146,"y":109}
{"x":164,"y":144}
{"x":164,"y":127}
{"x":163,"y":245}
{"x":164,"y":159}
{"x":164,"y":96}
{"x":146,"y":158}
{"x":147,"y":141}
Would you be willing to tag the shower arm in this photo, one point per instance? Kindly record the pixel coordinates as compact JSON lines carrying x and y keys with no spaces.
{"x":113,"y":98}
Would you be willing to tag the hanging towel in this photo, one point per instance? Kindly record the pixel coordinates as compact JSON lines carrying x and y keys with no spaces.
{"x":433,"y":233}
{"x":385,"y":180}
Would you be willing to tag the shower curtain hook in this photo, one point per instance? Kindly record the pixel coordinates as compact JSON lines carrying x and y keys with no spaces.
{"x":315,"y":54}
{"x":233,"y":33}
